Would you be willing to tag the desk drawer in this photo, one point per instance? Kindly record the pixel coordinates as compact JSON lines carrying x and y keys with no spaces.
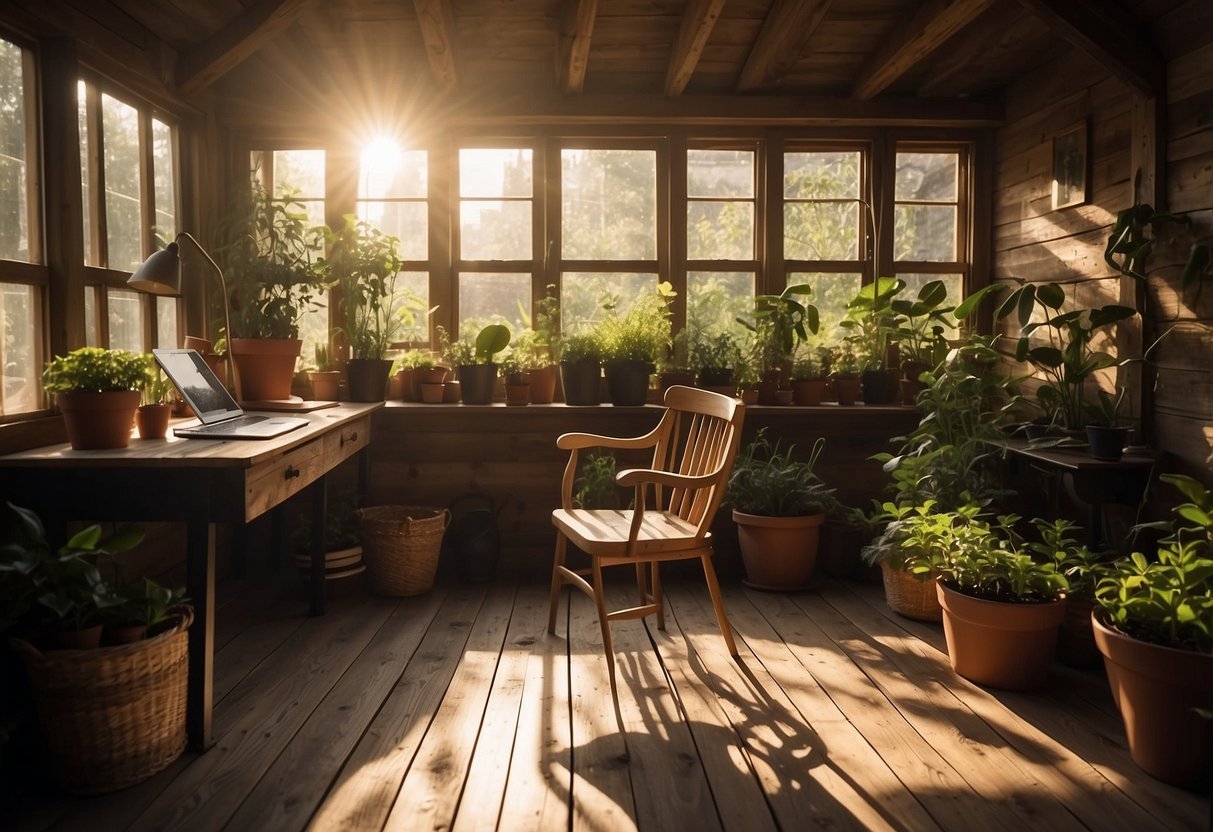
{"x":340,"y":445}
{"x":269,"y":483}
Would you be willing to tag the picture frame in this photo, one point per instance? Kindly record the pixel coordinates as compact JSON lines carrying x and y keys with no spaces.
{"x":1070,"y":166}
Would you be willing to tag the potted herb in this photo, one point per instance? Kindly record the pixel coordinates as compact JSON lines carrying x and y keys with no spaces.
{"x":516,"y":369}
{"x":675,"y":366}
{"x":473,"y":361}
{"x":632,"y":343}
{"x":155,"y":403}
{"x":1154,"y":626}
{"x":716,"y":358}
{"x":540,"y":342}
{"x":780,"y":323}
{"x":845,"y":374}
{"x":581,"y":368}
{"x":326,"y":378}
{"x":98,"y":391}
{"x":1107,"y":429}
{"x":779,"y":504}
{"x":871,"y":327}
{"x":810,"y":374}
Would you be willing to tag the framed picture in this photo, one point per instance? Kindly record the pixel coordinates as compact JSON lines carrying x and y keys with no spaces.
{"x":1070,"y":166}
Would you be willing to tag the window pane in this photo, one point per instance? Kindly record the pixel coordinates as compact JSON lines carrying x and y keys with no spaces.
{"x":90,"y":256}
{"x":494,"y":230}
{"x":390,"y":172}
{"x":495,"y":172}
{"x":716,"y":299}
{"x":831,"y":294}
{"x":14,"y":202}
{"x":720,"y":230}
{"x":166,"y":323}
{"x":924,"y":232}
{"x":124,"y":225}
{"x":300,"y":172}
{"x":488,"y":298}
{"x":21,"y":390}
{"x":821,"y":175}
{"x":164,"y":174}
{"x":821,"y":230}
{"x":609,"y":204}
{"x":720,"y":173}
{"x":126,"y":320}
{"x":91,"y":338}
{"x":927,"y":176}
{"x":585,"y":296}
{"x":406,"y":221}
{"x":314,"y":329}
{"x":314,"y":209}
{"x":414,"y":289}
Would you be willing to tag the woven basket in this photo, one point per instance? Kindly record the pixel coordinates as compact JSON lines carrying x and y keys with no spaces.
{"x":909,"y":596}
{"x":401,"y":546}
{"x":112,"y":716}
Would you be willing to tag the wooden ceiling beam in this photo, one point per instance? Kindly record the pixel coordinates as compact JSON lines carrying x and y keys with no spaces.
{"x":1122,"y":48}
{"x":931,"y":24}
{"x":785,"y":33}
{"x":573,"y":50}
{"x":437,"y":23}
{"x":698,"y":19}
{"x":241,"y":37}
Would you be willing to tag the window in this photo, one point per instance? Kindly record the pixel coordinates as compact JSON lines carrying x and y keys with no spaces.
{"x":22,"y":277}
{"x":927,"y":227}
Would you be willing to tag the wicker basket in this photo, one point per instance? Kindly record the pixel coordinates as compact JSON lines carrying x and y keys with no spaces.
{"x":112,"y":716}
{"x":909,"y":596}
{"x":401,"y":546}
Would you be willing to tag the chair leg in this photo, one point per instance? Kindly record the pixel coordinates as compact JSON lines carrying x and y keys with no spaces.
{"x":714,"y":590}
{"x":642,"y":583}
{"x":557,"y":582}
{"x":657,"y":599}
{"x":600,"y":601}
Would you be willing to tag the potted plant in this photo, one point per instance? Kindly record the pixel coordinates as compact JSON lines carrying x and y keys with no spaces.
{"x":921,"y":329}
{"x":342,"y":544}
{"x":98,"y":391}
{"x":155,"y":403}
{"x":845,"y":374}
{"x":779,"y":504}
{"x":473,"y":361}
{"x":326,"y":378}
{"x":1107,"y":429}
{"x":1154,"y":626}
{"x":715,"y":359}
{"x":810,"y":374}
{"x":871,"y":329}
{"x":142,"y":608}
{"x":269,"y":259}
{"x":516,"y":369}
{"x":675,"y":366}
{"x":540,"y":342}
{"x":581,"y":368}
{"x":632,"y":343}
{"x":780,"y":323}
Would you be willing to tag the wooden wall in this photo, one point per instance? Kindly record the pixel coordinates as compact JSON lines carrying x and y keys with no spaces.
{"x":1032,"y":242}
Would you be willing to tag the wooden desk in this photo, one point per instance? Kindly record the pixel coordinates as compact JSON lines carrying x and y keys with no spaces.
{"x":199,"y":482}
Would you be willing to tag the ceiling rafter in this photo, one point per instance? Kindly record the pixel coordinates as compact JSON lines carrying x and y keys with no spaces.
{"x":931,"y":24}
{"x":1123,"y":50}
{"x":437,"y":23}
{"x":698,"y":19}
{"x":573,"y":50}
{"x":242,"y":36}
{"x":785,"y":33}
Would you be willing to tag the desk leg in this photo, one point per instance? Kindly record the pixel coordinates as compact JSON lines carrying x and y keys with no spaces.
{"x":319,"y":533}
{"x":200,"y":585}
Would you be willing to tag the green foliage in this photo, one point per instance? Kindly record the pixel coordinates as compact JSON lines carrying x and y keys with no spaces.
{"x":465,"y":352}
{"x":363,"y":264}
{"x":157,"y":389}
{"x":1167,"y":601}
{"x":340,"y":526}
{"x":720,"y":352}
{"x":582,"y":346}
{"x":96,"y":370}
{"x":769,"y":481}
{"x":594,"y":487}
{"x":811,"y":363}
{"x":870,"y":321}
{"x":143,"y":601}
{"x":1106,"y":409}
{"x":1081,"y":567}
{"x":781,"y":322}
{"x":490,"y":341}
{"x":640,"y":334}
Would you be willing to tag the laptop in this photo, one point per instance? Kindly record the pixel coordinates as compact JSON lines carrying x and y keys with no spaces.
{"x":217,"y":411}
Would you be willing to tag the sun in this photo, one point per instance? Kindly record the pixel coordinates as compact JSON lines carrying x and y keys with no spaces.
{"x":381,"y":160}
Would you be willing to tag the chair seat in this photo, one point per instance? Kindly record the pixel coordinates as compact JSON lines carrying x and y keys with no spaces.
{"x":605,"y":531}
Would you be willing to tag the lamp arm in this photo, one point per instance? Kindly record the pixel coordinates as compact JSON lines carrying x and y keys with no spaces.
{"x":227,"y":320}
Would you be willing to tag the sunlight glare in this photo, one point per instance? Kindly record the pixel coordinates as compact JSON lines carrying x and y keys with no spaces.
{"x":381,"y":160}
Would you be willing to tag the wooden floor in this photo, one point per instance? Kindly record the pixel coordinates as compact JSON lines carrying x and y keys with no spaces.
{"x":458,"y":711}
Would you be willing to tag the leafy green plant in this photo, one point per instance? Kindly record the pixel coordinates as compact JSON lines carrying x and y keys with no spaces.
{"x":811,"y":363}
{"x":769,"y":481}
{"x":781,"y":322}
{"x":491,"y":340}
{"x":143,"y":602}
{"x":363,"y":264}
{"x":1167,"y":601}
{"x":594,"y":486}
{"x":715,"y":353}
{"x":95,"y":370}
{"x":157,"y":389}
{"x":581,"y":346}
{"x":323,"y":358}
{"x":870,"y":321}
{"x":340,"y":526}
{"x":640,"y":334}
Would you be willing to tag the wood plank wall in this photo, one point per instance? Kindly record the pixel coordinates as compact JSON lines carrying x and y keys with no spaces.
{"x":1032,"y":242}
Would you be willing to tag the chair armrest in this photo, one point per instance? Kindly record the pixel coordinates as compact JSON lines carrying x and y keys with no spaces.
{"x":630,"y":477}
{"x":575,"y":441}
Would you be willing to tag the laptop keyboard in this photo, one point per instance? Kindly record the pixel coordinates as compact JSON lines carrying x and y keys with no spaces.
{"x":230,"y":425}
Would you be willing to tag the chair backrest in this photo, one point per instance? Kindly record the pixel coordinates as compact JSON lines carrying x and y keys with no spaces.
{"x":698,"y":435}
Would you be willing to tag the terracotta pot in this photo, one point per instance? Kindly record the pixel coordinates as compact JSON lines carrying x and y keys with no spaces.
{"x":768,"y":392}
{"x":404,"y":384}
{"x":910,"y":388}
{"x":98,"y":421}
{"x":151,"y":420}
{"x":998,"y":643}
{"x":783,"y":397}
{"x":265,"y":366}
{"x":808,"y":391}
{"x":1156,"y":689}
{"x":517,"y":394}
{"x":427,"y":375}
{"x":326,"y":384}
{"x":433,"y":393}
{"x":452,"y":392}
{"x":477,"y":382}
{"x":580,"y":380}
{"x":366,"y":379}
{"x":126,"y":634}
{"x":88,"y":638}
{"x":628,"y":382}
{"x":779,"y":552}
{"x":908,"y":596}
{"x":543,"y":384}
{"x":749,"y":395}
{"x":846,"y":389}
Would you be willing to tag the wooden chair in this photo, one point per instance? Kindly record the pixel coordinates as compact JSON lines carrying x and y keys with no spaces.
{"x":693,"y":449}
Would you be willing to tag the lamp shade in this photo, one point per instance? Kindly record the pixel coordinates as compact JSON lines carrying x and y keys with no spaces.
{"x":160,"y":274}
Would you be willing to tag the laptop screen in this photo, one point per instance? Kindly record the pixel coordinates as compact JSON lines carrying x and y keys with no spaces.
{"x":200,"y":387}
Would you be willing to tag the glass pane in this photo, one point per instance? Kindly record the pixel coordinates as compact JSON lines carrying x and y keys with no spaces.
{"x":90,"y":256}
{"x":720,"y":230}
{"x":126,"y":320}
{"x":300,"y":172}
{"x":927,"y":176}
{"x":495,"y":172}
{"x":166,"y":323}
{"x":314,"y":328}
{"x":831,"y":294}
{"x":14,"y":202}
{"x":924,"y":232}
{"x":720,"y":173}
{"x":716,"y":299}
{"x":91,"y":339}
{"x":406,"y":221}
{"x":390,"y":172}
{"x":21,"y":390}
{"x":493,"y":298}
{"x":164,"y":175}
{"x":821,"y":230}
{"x":494,"y":230}
{"x":414,"y":292}
{"x":123,"y":219}
{"x":314,"y":209}
{"x":586,"y":296}
{"x":609,"y":204}
{"x":833,"y":175}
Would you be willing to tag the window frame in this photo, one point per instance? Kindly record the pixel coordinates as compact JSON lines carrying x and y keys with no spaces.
{"x":963,"y":264}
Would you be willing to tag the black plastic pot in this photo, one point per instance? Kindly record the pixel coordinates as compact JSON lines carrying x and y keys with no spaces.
{"x":628,"y":382}
{"x":1107,"y":443}
{"x":366,"y":379}
{"x":476,"y":381}
{"x":877,"y":386}
{"x":580,"y":380}
{"x":715,"y":377}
